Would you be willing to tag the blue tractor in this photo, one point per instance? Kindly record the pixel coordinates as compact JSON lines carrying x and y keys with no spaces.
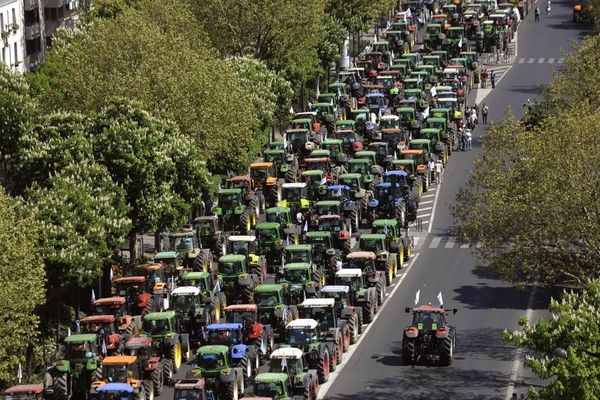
{"x":409,"y":191}
{"x":351,"y":208}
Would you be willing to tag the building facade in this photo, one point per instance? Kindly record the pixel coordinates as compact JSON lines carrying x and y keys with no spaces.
{"x":12,"y":35}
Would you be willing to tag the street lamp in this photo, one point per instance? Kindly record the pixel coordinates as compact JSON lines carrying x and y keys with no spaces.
{"x":562,"y":353}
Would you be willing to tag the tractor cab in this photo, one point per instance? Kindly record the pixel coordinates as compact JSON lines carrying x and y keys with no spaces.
{"x":115,"y":391}
{"x":105,"y":327}
{"x":389,"y":122}
{"x":350,"y":277}
{"x":228,"y":334}
{"x":262,"y":174}
{"x":363,"y":260}
{"x":294,"y":196}
{"x":298,"y":141}
{"x":376,"y":103}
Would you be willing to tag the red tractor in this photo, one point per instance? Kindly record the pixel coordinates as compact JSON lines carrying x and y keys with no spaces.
{"x":254,"y":332}
{"x":115,"y":305}
{"x":106,"y":328}
{"x":138,"y":299}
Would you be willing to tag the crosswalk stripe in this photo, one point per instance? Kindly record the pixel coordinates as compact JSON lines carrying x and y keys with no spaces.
{"x":449,"y":243}
{"x":416,"y":240}
{"x":425,"y":222}
{"x":428,"y":195}
{"x":435,"y":242}
{"x":531,"y":60}
{"x":424,"y":215}
{"x":426,"y":202}
{"x":425,"y":208}
{"x":521,"y":60}
{"x":464,"y":246}
{"x":541,"y":60}
{"x":561,"y":60}
{"x":551,"y":60}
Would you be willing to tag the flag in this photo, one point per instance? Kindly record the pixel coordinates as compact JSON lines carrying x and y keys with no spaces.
{"x":287,"y":240}
{"x":263,"y":345}
{"x":408,"y":13}
{"x":309,"y":105}
{"x":417,"y":295}
{"x":291,"y":110}
{"x":104,"y":350}
{"x":460,"y":43}
{"x":68,"y":331}
{"x":318,"y":92}
{"x":305,"y":226}
{"x":395,"y":155}
{"x":283,"y":364}
{"x":217,"y":287}
{"x":111,"y":274}
{"x":339,"y":92}
{"x":93,"y":296}
{"x":19,"y":374}
{"x":78,"y":325}
{"x":388,"y":25}
{"x":440,"y":299}
{"x":324,"y":181}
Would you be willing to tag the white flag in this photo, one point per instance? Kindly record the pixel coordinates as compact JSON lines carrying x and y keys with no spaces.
{"x":460,"y":43}
{"x":409,"y":13}
{"x":287,"y":240}
{"x":440,"y":299}
{"x":318,"y":92}
{"x":217,"y":287}
{"x":306,"y":226}
{"x":20,"y":373}
{"x":111,"y":274}
{"x":263,"y":345}
{"x":283,"y":364}
{"x":104,"y":349}
{"x":291,"y":110}
{"x":388,"y":25}
{"x":68,"y":331}
{"x":324,"y":181}
{"x":93,"y":296}
{"x":417,"y":295}
{"x":78,"y":325}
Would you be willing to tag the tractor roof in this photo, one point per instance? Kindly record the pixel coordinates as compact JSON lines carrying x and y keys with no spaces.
{"x":182,"y":233}
{"x":159,"y":316}
{"x":358,"y":161}
{"x":81,"y":338}
{"x":330,"y":217}
{"x":349,"y":273}
{"x":372,"y":236}
{"x":429,"y":308}
{"x":405,"y":110}
{"x":287,"y":352}
{"x":329,"y":203}
{"x":190,"y":384}
{"x":297,"y":266}
{"x":186,"y":290}
{"x":380,"y":223}
{"x":301,"y":114}
{"x":109,"y":300}
{"x":268,"y":288}
{"x":298,"y":247}
{"x":24,"y":389}
{"x":447,"y":99}
{"x":301,"y":120}
{"x":318,"y":234}
{"x":138,"y":342}
{"x":318,"y":153}
{"x":153,"y":267}
{"x":338,"y":187}
{"x":313,"y":303}
{"x":297,"y":130}
{"x":420,"y":141}
{"x":267,"y":226}
{"x":257,"y":165}
{"x":294,"y":185}
{"x":242,"y":307}
{"x":230,"y":191}
{"x":335,"y":289}
{"x":396,"y":172}
{"x":115,"y":387}
{"x":274,"y":151}
{"x":316,"y":159}
{"x":312,"y":172}
{"x":271,"y":377}
{"x":213,"y":349}
{"x":412,"y":152}
{"x":224,"y":327}
{"x":196,"y":275}
{"x":119,"y":360}
{"x":240,"y":178}
{"x":302,"y":323}
{"x":429,"y":130}
{"x":232,"y":258}
{"x":99,"y":318}
{"x":332,"y":141}
{"x":375,"y":95}
{"x":361,"y":255}
{"x":241,"y":238}
{"x":276,"y":210}
{"x":351,"y":176}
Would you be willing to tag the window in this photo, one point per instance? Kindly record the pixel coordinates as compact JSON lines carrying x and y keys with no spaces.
{"x":14,"y":14}
{"x":1,"y":21}
{"x":4,"y":55}
{"x":16,"y":53}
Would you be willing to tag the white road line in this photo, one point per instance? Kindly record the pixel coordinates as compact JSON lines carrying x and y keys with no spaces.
{"x":424,"y":208}
{"x":561,"y":60}
{"x":427,"y":195}
{"x":521,"y":60}
{"x":531,"y":60}
{"x":465,"y":245}
{"x":517,"y":361}
{"x":333,"y":375}
{"x":551,"y":60}
{"x":416,"y":241}
{"x":435,"y":200}
{"x":449,"y":243}
{"x":423,"y":215}
{"x":435,"y":242}
{"x":541,"y":60}
{"x":426,"y":202}
{"x":425,"y":222}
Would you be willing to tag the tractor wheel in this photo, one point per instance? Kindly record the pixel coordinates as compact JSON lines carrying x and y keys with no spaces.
{"x":359,"y":320}
{"x":245,"y":222}
{"x":140,"y":393}
{"x":389,"y":271}
{"x":408,"y":352}
{"x":371,"y":216}
{"x":147,"y":309}
{"x":333,"y":261}
{"x":446,"y":351}
{"x":381,"y":290}
{"x":222,"y":302}
{"x":369,"y":309}
{"x":291,"y":174}
{"x":347,"y":246}
{"x":317,"y":277}
{"x":175,"y":354}
{"x":167,"y":370}
{"x":149,"y":390}
{"x":129,"y":328}
{"x":346,"y":338}
{"x":309,"y":389}
{"x":254,"y":205}
{"x":333,"y":359}
{"x":354,"y":220}
{"x":400,"y":216}
{"x":244,"y":364}
{"x":96,"y":375}
{"x":340,"y":349}
{"x":274,"y":195}
{"x":353,"y":326}
{"x":186,"y":352}
{"x":60,"y":386}
{"x":247,"y":294}
{"x":407,"y":250}
{"x":157,"y":378}
{"x":233,"y":389}
{"x":324,"y":365}
{"x":220,"y":249}
{"x":425,"y":183}
{"x":261,"y":202}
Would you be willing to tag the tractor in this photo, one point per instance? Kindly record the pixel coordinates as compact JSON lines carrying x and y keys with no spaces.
{"x":174,"y":347}
{"x":210,"y":234}
{"x":150,"y":362}
{"x":264,"y":182}
{"x":115,"y":305}
{"x":421,"y":160}
{"x":340,"y":230}
{"x":138,"y":298}
{"x":324,"y":252}
{"x":193,"y":312}
{"x":255,"y":333}
{"x":344,"y":310}
{"x":301,"y":279}
{"x":25,"y":392}
{"x":429,"y":337}
{"x":191,"y":389}
{"x":189,"y":250}
{"x":159,"y":278}
{"x":358,"y":191}
{"x":283,"y":216}
{"x":339,"y":197}
{"x":289,"y":373}
{"x":222,"y":379}
{"x":387,"y":261}
{"x":323,"y":311}
{"x":235,"y":280}
{"x":233,"y":214}
{"x":433,"y":37}
{"x":71,"y":377}
{"x":388,"y":202}
{"x":299,"y":142}
{"x":105,"y":326}
{"x":295,"y":197}
{"x":275,"y":307}
{"x":395,"y":241}
{"x":271,"y":241}
{"x":361,"y":294}
{"x":364,"y":163}
{"x":252,"y":199}
{"x":305,"y":253}
{"x":248,"y":246}
{"x":212,"y":297}
{"x":285,"y":164}
{"x":365,"y":261}
{"x":129,"y":370}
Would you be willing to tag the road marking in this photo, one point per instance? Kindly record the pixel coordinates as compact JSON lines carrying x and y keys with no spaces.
{"x":424,"y":208}
{"x":423,"y":215}
{"x":427,"y":195}
{"x":435,"y":200}
{"x":541,"y":60}
{"x":449,"y":243}
{"x":517,"y":361}
{"x":465,"y":245}
{"x":551,"y":60}
{"x":531,"y":60}
{"x":435,"y":242}
{"x":333,"y":375}
{"x":426,"y":202}
{"x":521,"y":60}
{"x":561,"y":60}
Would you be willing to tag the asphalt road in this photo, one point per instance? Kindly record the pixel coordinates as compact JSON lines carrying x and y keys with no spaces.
{"x":484,"y":366}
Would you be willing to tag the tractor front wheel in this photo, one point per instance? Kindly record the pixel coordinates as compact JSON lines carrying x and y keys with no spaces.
{"x":157,"y":378}
{"x":167,"y":370}
{"x":176,"y":356}
{"x":323,"y":367}
{"x":408,"y":352}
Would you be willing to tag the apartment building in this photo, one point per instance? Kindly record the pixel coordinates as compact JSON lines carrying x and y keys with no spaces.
{"x":12,"y":34}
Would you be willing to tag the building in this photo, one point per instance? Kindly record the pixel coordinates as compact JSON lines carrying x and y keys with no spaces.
{"x":12,"y":34}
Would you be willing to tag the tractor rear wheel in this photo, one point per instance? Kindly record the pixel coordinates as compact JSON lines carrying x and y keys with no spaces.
{"x":310,"y":387}
{"x":446,"y":351}
{"x":359,"y":320}
{"x":389,"y":271}
{"x":157,"y":378}
{"x":317,"y":277}
{"x":340,"y":349}
{"x":167,"y":370}
{"x":140,"y":393}
{"x":346,"y":337}
{"x":186,"y":352}
{"x":148,"y":390}
{"x":245,"y":222}
{"x":220,"y":247}
{"x":96,"y":375}
{"x":369,"y":309}
{"x":333,"y":358}
{"x":408,"y":352}
{"x":354,"y":220}
{"x":233,"y":389}
{"x":246,"y":367}
{"x":203,"y":261}
{"x":347,"y":246}
{"x":400,"y":217}
{"x":323,"y":366}
{"x":60,"y":386}
{"x":175,"y":354}
{"x":353,"y":327}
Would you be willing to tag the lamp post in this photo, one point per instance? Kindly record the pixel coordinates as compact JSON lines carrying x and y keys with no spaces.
{"x":562,"y":353}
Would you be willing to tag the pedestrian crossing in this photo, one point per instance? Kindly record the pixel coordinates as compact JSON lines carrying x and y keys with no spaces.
{"x":448,"y":242}
{"x":541,"y":60}
{"x":500,"y":70}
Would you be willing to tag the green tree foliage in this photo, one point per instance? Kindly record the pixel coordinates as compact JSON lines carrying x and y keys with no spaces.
{"x":574,"y":327}
{"x":17,"y":112}
{"x":21,"y":285}
{"x":156,"y":52}
{"x":358,"y":15}
{"x":532,"y":194}
{"x":332,"y":38}
{"x":283,"y":33}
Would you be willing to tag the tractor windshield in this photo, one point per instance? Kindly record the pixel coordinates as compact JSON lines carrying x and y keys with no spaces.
{"x":428,"y":320}
{"x":374,"y":245}
{"x":375,"y":101}
{"x":204,"y":229}
{"x":266,"y":299}
{"x":229,"y":200}
{"x":354,"y":282}
{"x":210,"y":361}
{"x":295,"y":275}
{"x":224,"y":336}
{"x":297,"y":256}
{"x":267,"y":234}
{"x":244,"y":248}
{"x":183,"y":303}
{"x":388,"y":124}
{"x":229,"y":268}
{"x":105,"y":396}
{"x":241,"y":317}
{"x":188,"y":394}
{"x":269,"y":390}
{"x":322,"y":315}
{"x":259,"y":174}
{"x":358,"y":168}
{"x":296,"y":137}
{"x":184,"y":243}
{"x":119,"y":373}
{"x":330,"y":225}
{"x":156,"y":327}
{"x":352,"y":182}
{"x":78,"y":351}
{"x":301,"y":336}
{"x":433,"y":29}
{"x":364,"y":264}
{"x":294,"y":194}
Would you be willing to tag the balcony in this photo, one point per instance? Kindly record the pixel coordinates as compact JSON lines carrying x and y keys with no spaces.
{"x":32,"y":31}
{"x":30,"y":4}
{"x":34,"y":60}
{"x":56,"y":3}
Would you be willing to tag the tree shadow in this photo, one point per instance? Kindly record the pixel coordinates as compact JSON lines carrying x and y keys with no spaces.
{"x":503,"y":297}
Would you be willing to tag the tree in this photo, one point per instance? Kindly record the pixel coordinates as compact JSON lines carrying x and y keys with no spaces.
{"x":21,"y":285}
{"x":574,"y":326}
{"x":357,"y":15}
{"x":533,"y":194}
{"x":156,"y":52}
{"x":332,"y":38}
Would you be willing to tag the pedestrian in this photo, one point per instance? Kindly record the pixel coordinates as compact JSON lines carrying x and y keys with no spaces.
{"x":493,"y":78}
{"x":439,"y":169}
{"x":484,"y":113}
{"x":431,"y":166}
{"x":537,"y":14}
{"x":476,"y":107}
{"x":469,"y":138}
{"x":474,"y":116}
{"x":484,"y":76}
{"x":548,"y":7}
{"x":461,"y":136}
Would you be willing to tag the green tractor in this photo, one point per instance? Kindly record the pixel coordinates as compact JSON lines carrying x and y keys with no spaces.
{"x":365,"y":163}
{"x":213,"y":299}
{"x":295,"y":196}
{"x":233,"y":213}
{"x":284,"y":217}
{"x":340,"y":229}
{"x":387,"y":260}
{"x":289,"y":374}
{"x":189,"y":250}
{"x":339,"y":329}
{"x":275,"y":308}
{"x":358,"y":191}
{"x":193,"y":311}
{"x":285,"y":164}
{"x":305,"y":253}
{"x":174,"y":347}
{"x":365,"y":261}
{"x":222,"y":380}
{"x":210,"y":235}
{"x":455,"y":37}
{"x":301,"y":279}
{"x":72,"y":376}
{"x":395,"y":241}
{"x":324,"y":252}
{"x":360,"y":295}
{"x":247,"y":245}
{"x":235,"y":280}
{"x":441,"y":148}
{"x":433,"y":37}
{"x":272,"y":238}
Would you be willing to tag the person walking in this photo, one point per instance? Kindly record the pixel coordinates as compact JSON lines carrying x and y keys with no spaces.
{"x":469,"y":138}
{"x":484,"y":113}
{"x":493,"y":78}
{"x":537,"y":14}
{"x":484,"y":76}
{"x":476,"y":108}
{"x":548,"y":7}
{"x":439,"y":169}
